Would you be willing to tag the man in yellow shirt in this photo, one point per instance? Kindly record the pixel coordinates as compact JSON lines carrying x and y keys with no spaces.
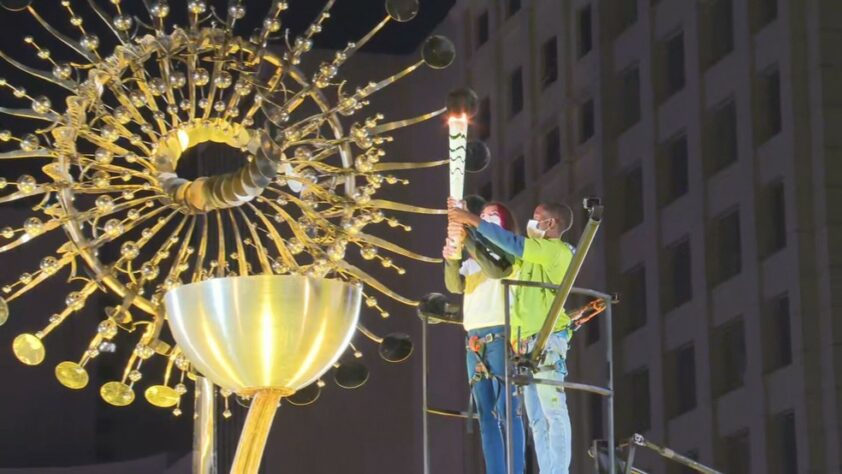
{"x":543,"y":257}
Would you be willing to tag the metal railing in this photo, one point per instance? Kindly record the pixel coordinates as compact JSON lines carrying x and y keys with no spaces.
{"x":525,"y":376}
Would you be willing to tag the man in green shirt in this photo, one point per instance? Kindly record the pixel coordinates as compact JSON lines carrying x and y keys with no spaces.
{"x":543,"y":257}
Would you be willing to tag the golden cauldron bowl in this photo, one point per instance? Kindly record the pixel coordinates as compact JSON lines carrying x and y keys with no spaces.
{"x":264,"y":336}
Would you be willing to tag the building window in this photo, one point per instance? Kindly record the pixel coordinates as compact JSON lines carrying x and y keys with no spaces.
{"x":549,"y":62}
{"x":718,"y":28}
{"x":783,"y":445}
{"x":515,"y":92}
{"x":673,"y":65}
{"x":771,"y":219}
{"x":586,"y":121}
{"x":482,"y":29}
{"x":681,"y":383}
{"x":735,"y":452}
{"x":595,"y":415}
{"x":487,"y":191}
{"x":768,"y":106}
{"x":626,"y":14}
{"x":676,"y":286}
{"x":630,"y":97}
{"x":640,"y":405}
{"x":672,"y":170}
{"x":632,"y":197}
{"x":729,"y":358}
{"x":724,"y":248}
{"x":518,"y":176}
{"x":777,"y":334}
{"x":592,"y":332}
{"x":763,"y":13}
{"x":722,"y":137}
{"x":483,"y":122}
{"x":585,"y":38}
{"x":512,"y":7}
{"x":633,"y":308}
{"x":552,"y":148}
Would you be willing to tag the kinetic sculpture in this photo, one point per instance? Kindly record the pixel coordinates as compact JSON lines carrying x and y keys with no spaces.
{"x":249,"y":267}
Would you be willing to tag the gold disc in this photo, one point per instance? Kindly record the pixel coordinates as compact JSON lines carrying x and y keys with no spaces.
{"x":4,"y":311}
{"x":161,"y":396}
{"x":29,"y":349}
{"x":117,"y":394}
{"x":72,"y":375}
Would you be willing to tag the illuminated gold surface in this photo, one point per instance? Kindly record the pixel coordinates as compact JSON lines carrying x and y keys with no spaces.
{"x":257,"y":332}
{"x":117,"y":394}
{"x":161,"y":396}
{"x":28,"y":349}
{"x":4,"y":311}
{"x":72,"y":375}
{"x":256,"y":430}
{"x":315,"y":159}
{"x":204,"y":427}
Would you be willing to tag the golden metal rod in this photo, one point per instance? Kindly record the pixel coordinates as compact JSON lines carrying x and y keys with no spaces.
{"x":204,"y":428}
{"x":256,"y":431}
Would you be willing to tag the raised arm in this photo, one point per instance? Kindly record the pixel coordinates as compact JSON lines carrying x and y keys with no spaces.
{"x":493,"y":262}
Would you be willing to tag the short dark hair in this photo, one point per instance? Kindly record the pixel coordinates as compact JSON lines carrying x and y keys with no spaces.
{"x":559,"y":211}
{"x":475,"y":203}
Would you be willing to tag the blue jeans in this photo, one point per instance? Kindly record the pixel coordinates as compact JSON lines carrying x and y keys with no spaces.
{"x":546,"y":407}
{"x":490,"y":400}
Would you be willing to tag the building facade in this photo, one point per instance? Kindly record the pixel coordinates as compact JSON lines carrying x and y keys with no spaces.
{"x":708,"y":127}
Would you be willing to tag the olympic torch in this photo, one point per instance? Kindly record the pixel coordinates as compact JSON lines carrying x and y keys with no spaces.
{"x":461,"y":105}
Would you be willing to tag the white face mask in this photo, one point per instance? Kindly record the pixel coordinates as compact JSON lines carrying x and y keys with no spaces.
{"x":493,"y":220}
{"x":533,"y":231}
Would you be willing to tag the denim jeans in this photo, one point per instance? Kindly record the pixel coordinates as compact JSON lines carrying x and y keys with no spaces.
{"x":490,"y":400}
{"x":546,"y":407}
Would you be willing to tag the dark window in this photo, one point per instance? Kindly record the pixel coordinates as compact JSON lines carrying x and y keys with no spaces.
{"x":484,"y":119}
{"x":632,"y":197}
{"x":633,"y":309}
{"x":487,"y":191}
{"x":627,"y":14}
{"x":729,"y":357}
{"x":777,"y":334}
{"x":676,"y":284}
{"x":595,"y":411}
{"x":515,"y":92}
{"x":640,"y":405}
{"x":585,"y":42}
{"x":512,"y":7}
{"x":586,"y":121}
{"x":724,"y":248}
{"x":592,"y":332}
{"x":672,"y":170}
{"x":722,"y":139}
{"x":482,"y":28}
{"x":735,"y":452}
{"x":783,"y":445}
{"x":631,"y":97}
{"x":681,"y":380}
{"x":518,"y":176}
{"x":768,"y":106}
{"x":771,"y":219}
{"x":549,"y":62}
{"x":674,"y":64}
{"x":718,"y":17}
{"x":765,"y":11}
{"x":552,"y":148}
